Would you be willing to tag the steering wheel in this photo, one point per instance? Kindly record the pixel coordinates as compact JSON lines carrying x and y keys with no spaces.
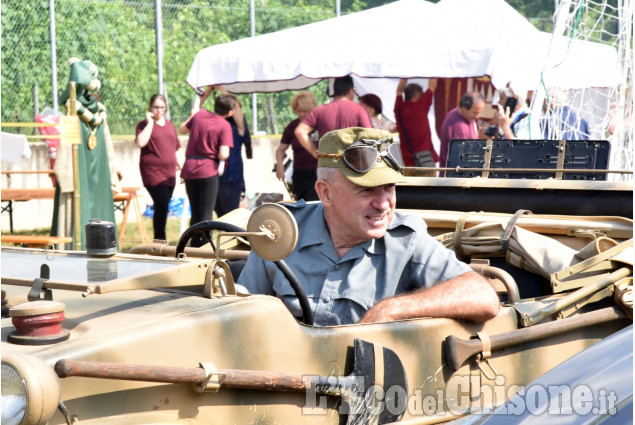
{"x":206,"y":227}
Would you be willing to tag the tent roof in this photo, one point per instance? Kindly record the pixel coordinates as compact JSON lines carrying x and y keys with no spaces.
{"x":407,"y":39}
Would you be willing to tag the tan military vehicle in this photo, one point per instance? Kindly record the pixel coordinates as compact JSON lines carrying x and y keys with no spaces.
{"x":161,"y":336}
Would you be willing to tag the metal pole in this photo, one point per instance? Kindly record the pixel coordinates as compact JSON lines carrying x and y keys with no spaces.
{"x":254,"y":104}
{"x":77,"y":217}
{"x":36,"y":101}
{"x":53,"y":55}
{"x":337,"y":8}
{"x":158,"y":28}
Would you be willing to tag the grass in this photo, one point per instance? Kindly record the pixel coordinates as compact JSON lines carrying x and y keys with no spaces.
{"x":131,"y":237}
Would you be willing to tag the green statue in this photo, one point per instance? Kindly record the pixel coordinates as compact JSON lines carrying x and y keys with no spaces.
{"x":95,"y":153}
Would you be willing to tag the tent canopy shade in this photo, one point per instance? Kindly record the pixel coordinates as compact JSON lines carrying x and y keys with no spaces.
{"x":407,"y":39}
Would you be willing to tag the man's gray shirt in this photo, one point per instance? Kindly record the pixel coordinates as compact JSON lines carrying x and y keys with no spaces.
{"x":341,"y":290}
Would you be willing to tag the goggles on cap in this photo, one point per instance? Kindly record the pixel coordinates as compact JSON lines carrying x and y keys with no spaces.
{"x":362,"y":155}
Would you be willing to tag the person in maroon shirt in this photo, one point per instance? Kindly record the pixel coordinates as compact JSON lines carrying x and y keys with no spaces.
{"x":158,"y":163}
{"x":342,"y":112}
{"x":411,"y":115}
{"x":209,"y":143}
{"x":461,"y":123}
{"x":304,"y":165}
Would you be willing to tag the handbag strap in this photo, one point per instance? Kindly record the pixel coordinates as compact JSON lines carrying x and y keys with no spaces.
{"x":405,"y":133}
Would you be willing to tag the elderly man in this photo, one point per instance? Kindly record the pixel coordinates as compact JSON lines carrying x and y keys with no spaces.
{"x":357,"y":258}
{"x":461,"y":123}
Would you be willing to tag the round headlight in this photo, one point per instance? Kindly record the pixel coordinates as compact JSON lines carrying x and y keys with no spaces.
{"x":13,"y":396}
{"x":30,"y":390}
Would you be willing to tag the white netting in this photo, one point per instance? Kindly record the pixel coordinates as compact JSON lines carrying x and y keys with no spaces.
{"x":597,"y":113}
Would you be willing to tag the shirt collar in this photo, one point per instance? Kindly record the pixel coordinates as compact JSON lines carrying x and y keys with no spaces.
{"x":317,"y":232}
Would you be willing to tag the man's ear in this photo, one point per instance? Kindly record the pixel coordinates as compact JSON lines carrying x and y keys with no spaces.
{"x":323,"y":191}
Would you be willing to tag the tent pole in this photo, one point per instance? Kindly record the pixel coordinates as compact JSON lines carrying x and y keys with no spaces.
{"x":254,"y":104}
{"x":77,"y":221}
{"x":53,"y":55}
{"x":158,"y":28}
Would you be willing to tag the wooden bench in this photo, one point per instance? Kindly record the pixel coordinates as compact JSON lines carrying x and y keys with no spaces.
{"x":122,"y":201}
{"x":33,"y":241}
{"x":11,"y":195}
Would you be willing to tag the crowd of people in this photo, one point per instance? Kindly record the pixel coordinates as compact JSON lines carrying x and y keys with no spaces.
{"x":357,"y":258}
{"x":213,"y":167}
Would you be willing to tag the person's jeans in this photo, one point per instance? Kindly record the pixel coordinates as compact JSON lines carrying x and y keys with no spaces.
{"x":202,"y":195}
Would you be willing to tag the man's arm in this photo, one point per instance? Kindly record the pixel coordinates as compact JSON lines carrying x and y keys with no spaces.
{"x":468,"y":297}
{"x":432,"y":84}
{"x":183,"y":127}
{"x":302,"y":133}
{"x":401,"y":86}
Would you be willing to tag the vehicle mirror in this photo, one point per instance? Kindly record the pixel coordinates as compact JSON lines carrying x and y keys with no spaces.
{"x":280,"y":228}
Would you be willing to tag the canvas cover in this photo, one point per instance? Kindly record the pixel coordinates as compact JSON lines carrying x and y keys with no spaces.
{"x":407,"y":39}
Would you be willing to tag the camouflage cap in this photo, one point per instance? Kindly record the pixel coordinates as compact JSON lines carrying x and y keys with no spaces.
{"x":335,"y":142}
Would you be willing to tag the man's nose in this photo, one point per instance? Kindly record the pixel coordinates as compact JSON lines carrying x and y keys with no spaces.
{"x":382,"y":199}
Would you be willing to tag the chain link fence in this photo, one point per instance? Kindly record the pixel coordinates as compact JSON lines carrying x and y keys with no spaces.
{"x":120,"y":38}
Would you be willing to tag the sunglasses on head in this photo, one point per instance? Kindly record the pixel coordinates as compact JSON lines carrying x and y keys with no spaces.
{"x":362,"y":155}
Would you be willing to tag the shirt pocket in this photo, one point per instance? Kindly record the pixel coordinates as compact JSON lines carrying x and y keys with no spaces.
{"x":364,"y":299}
{"x":350,"y":306}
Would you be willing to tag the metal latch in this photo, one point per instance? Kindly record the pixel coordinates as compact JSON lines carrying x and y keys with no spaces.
{"x":213,"y":379}
{"x":37,"y":291}
{"x":485,"y":355}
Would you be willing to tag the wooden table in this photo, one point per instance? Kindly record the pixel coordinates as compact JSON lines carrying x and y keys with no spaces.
{"x":19,"y":195}
{"x":127,"y":196}
{"x":122,"y":201}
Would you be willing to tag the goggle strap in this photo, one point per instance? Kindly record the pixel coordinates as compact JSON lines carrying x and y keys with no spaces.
{"x":329,"y":155}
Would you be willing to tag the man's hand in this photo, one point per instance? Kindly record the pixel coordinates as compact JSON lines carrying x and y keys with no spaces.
{"x":149,"y":117}
{"x":505,"y":122}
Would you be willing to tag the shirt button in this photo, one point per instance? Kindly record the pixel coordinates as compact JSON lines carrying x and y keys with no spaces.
{"x":337,"y":267}
{"x":326,"y":300}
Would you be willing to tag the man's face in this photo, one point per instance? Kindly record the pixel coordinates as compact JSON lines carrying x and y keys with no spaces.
{"x":474,"y":112}
{"x":355,"y":214}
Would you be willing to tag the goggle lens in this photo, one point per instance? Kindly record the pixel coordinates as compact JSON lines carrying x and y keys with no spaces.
{"x":361,"y":157}
{"x":394,"y":154}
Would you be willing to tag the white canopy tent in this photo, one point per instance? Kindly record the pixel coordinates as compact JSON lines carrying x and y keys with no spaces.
{"x":411,"y":39}
{"x":407,"y":38}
